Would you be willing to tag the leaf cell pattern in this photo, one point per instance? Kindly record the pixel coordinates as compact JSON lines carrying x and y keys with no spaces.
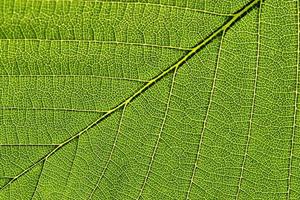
{"x":147,"y":99}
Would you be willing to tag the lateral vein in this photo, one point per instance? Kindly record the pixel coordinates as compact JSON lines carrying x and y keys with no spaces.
{"x":74,"y":76}
{"x":51,"y":109}
{"x":295,"y":110}
{"x":150,"y":83}
{"x":252,"y":104}
{"x":159,"y":136}
{"x":97,"y":41}
{"x":206,"y":118}
{"x":110,"y":155}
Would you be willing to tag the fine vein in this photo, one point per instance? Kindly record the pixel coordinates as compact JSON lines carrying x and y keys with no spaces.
{"x":110,"y":155}
{"x":73,"y":76}
{"x":205,"y":119}
{"x":38,"y":181}
{"x":150,"y":83}
{"x":28,"y":145}
{"x":171,"y":6}
{"x":97,"y":41}
{"x":159,"y":136}
{"x":52,"y":109}
{"x":252,"y":105}
{"x":295,"y":110}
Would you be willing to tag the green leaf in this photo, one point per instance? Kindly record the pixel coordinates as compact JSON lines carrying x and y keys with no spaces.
{"x":149,"y":99}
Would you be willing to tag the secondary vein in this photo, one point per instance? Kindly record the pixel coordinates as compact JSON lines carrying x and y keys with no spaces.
{"x":252,"y":105}
{"x":159,"y":136}
{"x":73,"y":76}
{"x":150,"y":83}
{"x":110,"y":155}
{"x":206,"y":118}
{"x":295,"y":110}
{"x":98,"y":41}
{"x":51,"y":109}
{"x":171,"y":6}
{"x":38,"y":181}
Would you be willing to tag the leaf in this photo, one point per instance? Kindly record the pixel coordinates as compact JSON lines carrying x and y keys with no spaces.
{"x":136,"y":99}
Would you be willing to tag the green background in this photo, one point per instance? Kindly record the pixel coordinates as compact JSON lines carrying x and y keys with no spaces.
{"x":98,"y":101}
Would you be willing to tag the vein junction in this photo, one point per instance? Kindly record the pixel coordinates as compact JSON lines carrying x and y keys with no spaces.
{"x":147,"y":85}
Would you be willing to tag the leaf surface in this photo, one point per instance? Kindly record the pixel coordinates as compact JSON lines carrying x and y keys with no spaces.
{"x":134,"y":99}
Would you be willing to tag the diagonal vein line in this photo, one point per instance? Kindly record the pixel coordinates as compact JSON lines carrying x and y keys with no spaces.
{"x":290,"y":165}
{"x":206,"y":118}
{"x":60,"y":146}
{"x":110,"y":155}
{"x":38,"y":181}
{"x":150,"y":83}
{"x":97,"y":41}
{"x":159,"y":136}
{"x":72,"y":164}
{"x":252,"y":105}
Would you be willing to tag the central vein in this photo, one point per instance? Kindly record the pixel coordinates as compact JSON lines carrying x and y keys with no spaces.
{"x":151,"y":82}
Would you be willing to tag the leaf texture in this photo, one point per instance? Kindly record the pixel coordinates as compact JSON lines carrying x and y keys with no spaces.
{"x":148,"y":99}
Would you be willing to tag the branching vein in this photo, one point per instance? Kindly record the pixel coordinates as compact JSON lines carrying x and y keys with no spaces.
{"x":38,"y":181}
{"x":205,"y":119}
{"x":159,"y":136}
{"x":146,"y":86}
{"x":110,"y":155}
